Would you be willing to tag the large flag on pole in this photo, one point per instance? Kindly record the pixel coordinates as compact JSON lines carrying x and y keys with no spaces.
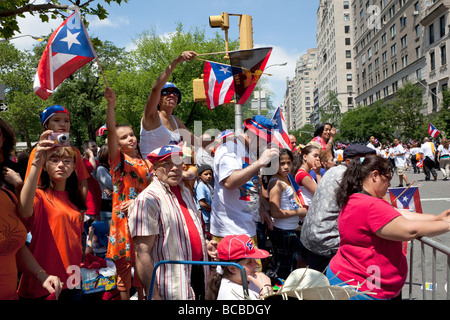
{"x":252,"y":62}
{"x":433,"y":131}
{"x":410,"y":199}
{"x":68,"y":49}
{"x":218,"y":82}
{"x":280,"y":132}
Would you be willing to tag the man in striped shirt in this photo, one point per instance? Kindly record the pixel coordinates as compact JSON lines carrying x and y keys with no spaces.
{"x":165,"y":225}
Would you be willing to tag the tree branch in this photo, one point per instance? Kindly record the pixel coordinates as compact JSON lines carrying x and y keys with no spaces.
{"x":32,"y":8}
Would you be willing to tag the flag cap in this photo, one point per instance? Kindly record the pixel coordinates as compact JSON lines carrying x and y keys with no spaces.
{"x":169,"y":86}
{"x":260,"y":125}
{"x":236,"y":247}
{"x":50,"y":112}
{"x":164,"y":152}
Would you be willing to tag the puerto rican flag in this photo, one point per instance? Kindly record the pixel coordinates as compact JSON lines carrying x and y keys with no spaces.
{"x":218,"y":82}
{"x":101,"y":131}
{"x":432,"y":131}
{"x":68,"y":49}
{"x":280,"y":132}
{"x":408,"y":200}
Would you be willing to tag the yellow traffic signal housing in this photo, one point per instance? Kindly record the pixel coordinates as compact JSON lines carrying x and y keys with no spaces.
{"x":245,"y":32}
{"x":221,"y":21}
{"x":198,"y":89}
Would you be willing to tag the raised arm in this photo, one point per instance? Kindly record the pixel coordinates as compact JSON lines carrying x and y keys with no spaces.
{"x":113,"y":144}
{"x":151,"y":106}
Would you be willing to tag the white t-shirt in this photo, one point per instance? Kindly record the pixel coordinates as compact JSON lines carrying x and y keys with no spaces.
{"x":233,"y":211}
{"x":427,"y":151}
{"x":400,"y":161}
{"x":287,"y":202}
{"x":444,"y":152}
{"x":232,"y":291}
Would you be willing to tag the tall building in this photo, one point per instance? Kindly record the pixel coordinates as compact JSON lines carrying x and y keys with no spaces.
{"x":299,"y":98}
{"x":435,"y":45}
{"x":397,"y":41}
{"x":335,"y":57}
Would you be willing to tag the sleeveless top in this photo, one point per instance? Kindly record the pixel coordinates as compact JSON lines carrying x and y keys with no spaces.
{"x":287,"y":202}
{"x":161,"y":136}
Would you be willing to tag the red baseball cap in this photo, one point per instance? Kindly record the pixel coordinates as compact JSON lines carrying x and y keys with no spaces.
{"x":236,"y":247}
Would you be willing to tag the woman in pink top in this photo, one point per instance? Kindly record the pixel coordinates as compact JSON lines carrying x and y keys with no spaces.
{"x":372,"y":231}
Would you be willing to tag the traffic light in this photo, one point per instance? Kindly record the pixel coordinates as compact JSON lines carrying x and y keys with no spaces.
{"x":222,"y":21}
{"x":245,"y":32}
{"x":198,"y":90}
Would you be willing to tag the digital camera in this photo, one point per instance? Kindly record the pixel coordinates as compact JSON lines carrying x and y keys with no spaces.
{"x":61,"y":139}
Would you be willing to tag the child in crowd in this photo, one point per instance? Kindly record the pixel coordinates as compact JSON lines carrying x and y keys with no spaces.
{"x":53,"y":213}
{"x":286,"y":211}
{"x":203,"y":193}
{"x":309,"y":160}
{"x":130,"y":175}
{"x":226,"y":282}
{"x":97,"y":241}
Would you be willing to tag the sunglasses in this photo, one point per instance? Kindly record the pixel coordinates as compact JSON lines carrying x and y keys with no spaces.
{"x":168,"y":93}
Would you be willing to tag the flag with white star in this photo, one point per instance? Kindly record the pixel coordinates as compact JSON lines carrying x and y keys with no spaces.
{"x":280,"y":131}
{"x":68,"y":49}
{"x":218,"y":82}
{"x":409,"y":199}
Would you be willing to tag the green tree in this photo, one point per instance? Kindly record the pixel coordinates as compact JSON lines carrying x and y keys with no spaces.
{"x":332,"y":111}
{"x":407,"y":111}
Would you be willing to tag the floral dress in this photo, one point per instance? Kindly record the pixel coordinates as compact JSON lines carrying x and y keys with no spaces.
{"x":130,"y":176}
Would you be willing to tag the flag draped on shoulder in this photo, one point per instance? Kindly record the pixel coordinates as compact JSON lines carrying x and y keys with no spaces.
{"x":68,"y":49}
{"x":252,"y":62}
{"x":433,"y":131}
{"x":280,"y":131}
{"x":218,"y":83}
{"x":410,"y":199}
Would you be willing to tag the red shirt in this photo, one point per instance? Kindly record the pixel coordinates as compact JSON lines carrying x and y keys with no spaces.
{"x":194,"y":236}
{"x":94,"y":196}
{"x":362,"y":255}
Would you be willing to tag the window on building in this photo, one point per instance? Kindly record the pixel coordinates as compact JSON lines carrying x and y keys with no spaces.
{"x":393,"y":30}
{"x":348,"y":65}
{"x":434,"y":99}
{"x":402,"y":22}
{"x":393,"y":49}
{"x":431,"y":33}
{"x":442,"y":26}
{"x":443,"y":55}
{"x":349,"y":77}
{"x":346,"y":4}
{"x":432,"y":61}
{"x":383,"y":38}
{"x":347,"y":41}
{"x":347,"y":29}
{"x":417,"y":30}
{"x":348,"y":53}
{"x":418,"y":52}
{"x":404,"y":41}
{"x":404,"y":61}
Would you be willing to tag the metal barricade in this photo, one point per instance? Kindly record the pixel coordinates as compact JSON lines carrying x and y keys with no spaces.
{"x":435,"y":246}
{"x":209,"y":263}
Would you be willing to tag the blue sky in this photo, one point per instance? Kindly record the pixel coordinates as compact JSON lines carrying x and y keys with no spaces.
{"x":289,"y":26}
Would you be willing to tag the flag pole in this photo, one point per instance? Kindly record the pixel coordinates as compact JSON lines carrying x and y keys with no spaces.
{"x":101,"y":70}
{"x":404,"y":191}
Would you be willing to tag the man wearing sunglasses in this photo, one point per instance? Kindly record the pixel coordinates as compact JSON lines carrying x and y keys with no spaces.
{"x":158,"y":125}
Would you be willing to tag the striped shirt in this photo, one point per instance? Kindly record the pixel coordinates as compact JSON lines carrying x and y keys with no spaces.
{"x":156,"y":211}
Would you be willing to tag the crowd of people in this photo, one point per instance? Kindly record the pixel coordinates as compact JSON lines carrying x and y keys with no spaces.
{"x":174,"y":196}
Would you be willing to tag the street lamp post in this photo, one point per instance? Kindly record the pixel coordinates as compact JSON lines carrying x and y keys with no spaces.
{"x":24,"y":35}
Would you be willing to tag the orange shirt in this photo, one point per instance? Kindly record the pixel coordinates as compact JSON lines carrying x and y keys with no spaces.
{"x":80,"y":168}
{"x":56,"y":226}
{"x":12,"y":237}
{"x":129,"y":180}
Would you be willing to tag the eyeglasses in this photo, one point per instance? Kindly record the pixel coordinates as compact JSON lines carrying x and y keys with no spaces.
{"x":168,"y":165}
{"x":168,"y":93}
{"x":65,"y":161}
{"x":388,"y":176}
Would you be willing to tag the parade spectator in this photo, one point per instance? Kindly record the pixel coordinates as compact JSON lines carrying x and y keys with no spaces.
{"x":97,"y":241}
{"x":371,"y":143}
{"x":326,"y":162}
{"x":57,"y":119}
{"x":189,"y":169}
{"x":324,"y":135}
{"x":203,"y":194}
{"x":399,"y":154}
{"x":428,"y":150}
{"x":158,"y":125}
{"x":203,"y":154}
{"x":372,"y":231}
{"x":8,"y":142}
{"x":165,"y":225}
{"x":293,"y":140}
{"x":236,"y":182}
{"x":320,"y":236}
{"x":16,"y":255}
{"x":444,"y":158}
{"x":309,"y":160}
{"x":415,"y":156}
{"x":103,"y":175}
{"x":130,"y":175}
{"x":53,"y":213}
{"x":94,"y":196}
{"x":286,"y":211}
{"x":226,"y":282}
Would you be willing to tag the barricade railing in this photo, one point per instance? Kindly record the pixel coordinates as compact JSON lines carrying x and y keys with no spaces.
{"x":435,"y":246}
{"x":209,"y":263}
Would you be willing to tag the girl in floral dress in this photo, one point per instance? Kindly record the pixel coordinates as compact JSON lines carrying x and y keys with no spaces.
{"x":130,"y":175}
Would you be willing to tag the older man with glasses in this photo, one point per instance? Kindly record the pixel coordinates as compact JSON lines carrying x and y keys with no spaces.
{"x":165,"y":225}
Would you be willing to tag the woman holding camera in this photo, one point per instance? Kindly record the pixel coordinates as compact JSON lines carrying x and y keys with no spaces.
{"x":53,"y":213}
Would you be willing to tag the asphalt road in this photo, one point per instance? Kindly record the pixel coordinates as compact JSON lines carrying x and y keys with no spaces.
{"x":435,"y":198}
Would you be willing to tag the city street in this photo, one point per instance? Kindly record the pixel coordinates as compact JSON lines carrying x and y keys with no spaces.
{"x":435,"y":198}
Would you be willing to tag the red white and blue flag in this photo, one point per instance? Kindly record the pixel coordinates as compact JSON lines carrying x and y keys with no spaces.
{"x":410,"y":199}
{"x":218,"y":82}
{"x":280,"y":131}
{"x":68,"y":49}
{"x":101,"y":131}
{"x":433,"y":131}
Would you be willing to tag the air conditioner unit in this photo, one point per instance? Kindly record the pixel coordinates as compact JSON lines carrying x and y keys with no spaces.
{"x":416,"y":13}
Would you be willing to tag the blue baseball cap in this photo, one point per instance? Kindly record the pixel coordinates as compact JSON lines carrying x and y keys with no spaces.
{"x":169,"y":86}
{"x":101,"y":231}
{"x":51,"y":111}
